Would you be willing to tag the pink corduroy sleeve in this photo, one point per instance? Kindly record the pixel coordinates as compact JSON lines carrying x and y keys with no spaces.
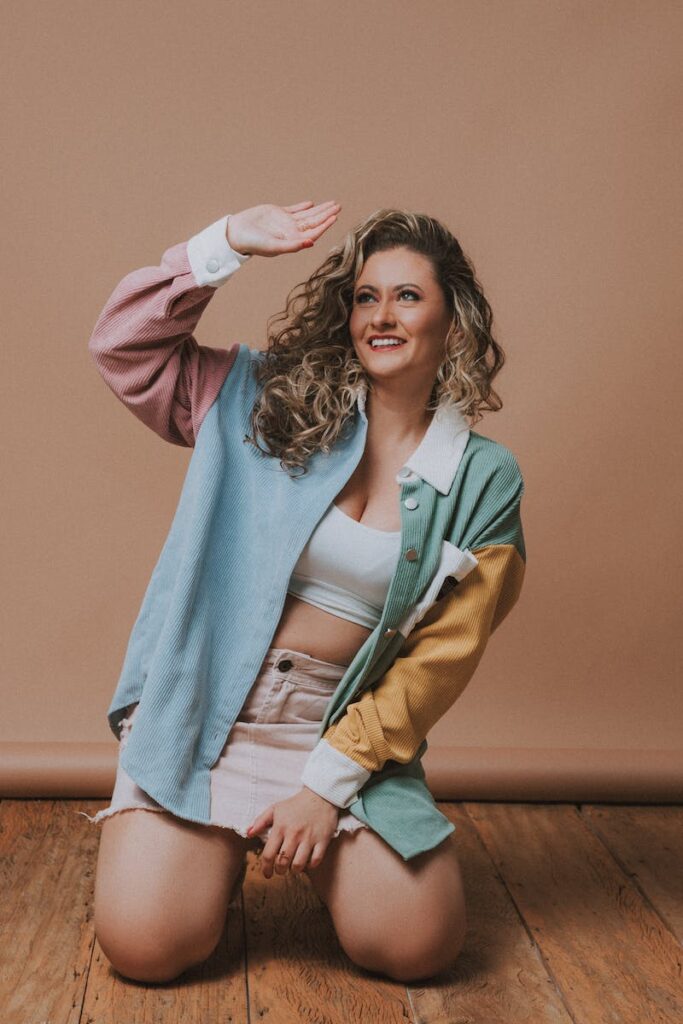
{"x":143,"y":345}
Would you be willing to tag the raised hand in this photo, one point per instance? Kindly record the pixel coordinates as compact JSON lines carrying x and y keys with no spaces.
{"x":269,"y":230}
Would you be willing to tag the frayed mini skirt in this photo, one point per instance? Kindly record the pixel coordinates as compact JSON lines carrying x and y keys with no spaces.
{"x":265,"y":753}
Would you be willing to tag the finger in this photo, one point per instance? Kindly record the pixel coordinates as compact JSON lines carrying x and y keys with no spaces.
{"x":298,"y":206}
{"x":257,"y":824}
{"x":311,"y":217}
{"x":318,"y":854}
{"x":283,"y":861}
{"x":311,"y":209}
{"x":316,"y":230}
{"x":305,"y":236}
{"x":293,"y":244}
{"x":269,"y":853}
{"x":301,"y":858}
{"x":260,"y":821}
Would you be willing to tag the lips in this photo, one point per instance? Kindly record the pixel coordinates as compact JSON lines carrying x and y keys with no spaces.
{"x":383,"y":341}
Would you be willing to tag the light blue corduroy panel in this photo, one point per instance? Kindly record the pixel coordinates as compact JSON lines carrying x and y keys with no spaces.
{"x":217,"y":595}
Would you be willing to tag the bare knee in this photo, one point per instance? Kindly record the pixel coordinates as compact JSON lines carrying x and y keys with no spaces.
{"x":150,"y":954}
{"x":410,"y":958}
{"x":149,"y":962}
{"x":409,"y":965}
{"x":161,"y":893}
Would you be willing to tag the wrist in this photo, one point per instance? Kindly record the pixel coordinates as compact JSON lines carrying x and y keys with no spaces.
{"x":227,"y":238}
{"x":319,"y":798}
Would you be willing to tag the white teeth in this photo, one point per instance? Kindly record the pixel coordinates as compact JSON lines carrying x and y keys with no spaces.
{"x":385,"y":343}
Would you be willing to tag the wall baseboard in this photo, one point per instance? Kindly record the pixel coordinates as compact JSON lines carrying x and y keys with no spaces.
{"x":570,"y":775}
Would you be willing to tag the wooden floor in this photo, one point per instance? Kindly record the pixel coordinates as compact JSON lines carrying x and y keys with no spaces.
{"x":575,"y":915}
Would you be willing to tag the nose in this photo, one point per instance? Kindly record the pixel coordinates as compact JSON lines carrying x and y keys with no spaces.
{"x":383,"y":313}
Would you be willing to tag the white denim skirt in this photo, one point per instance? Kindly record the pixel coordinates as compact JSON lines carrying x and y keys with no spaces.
{"x":264,"y":756}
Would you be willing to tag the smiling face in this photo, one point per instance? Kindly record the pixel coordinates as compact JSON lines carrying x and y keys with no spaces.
{"x":397,"y":295}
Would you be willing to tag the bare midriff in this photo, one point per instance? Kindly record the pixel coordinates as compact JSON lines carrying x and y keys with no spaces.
{"x":311,"y":630}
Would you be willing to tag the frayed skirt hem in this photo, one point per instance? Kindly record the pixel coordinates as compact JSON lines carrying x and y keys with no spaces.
{"x":350,"y":824}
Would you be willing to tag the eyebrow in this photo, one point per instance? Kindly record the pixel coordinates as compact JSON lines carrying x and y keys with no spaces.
{"x":406,"y":284}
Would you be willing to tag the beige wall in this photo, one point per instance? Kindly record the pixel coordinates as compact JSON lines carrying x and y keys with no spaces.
{"x":543,"y":134}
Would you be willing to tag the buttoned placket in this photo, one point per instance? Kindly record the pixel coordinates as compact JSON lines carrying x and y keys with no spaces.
{"x":404,"y":476}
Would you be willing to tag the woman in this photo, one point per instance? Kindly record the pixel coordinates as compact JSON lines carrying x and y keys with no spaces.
{"x":294,"y":579}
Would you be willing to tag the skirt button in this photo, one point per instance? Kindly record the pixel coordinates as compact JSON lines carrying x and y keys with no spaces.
{"x":285,"y":665}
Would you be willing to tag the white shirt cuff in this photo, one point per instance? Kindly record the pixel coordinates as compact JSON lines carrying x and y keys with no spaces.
{"x":333,"y":775}
{"x":211,"y":256}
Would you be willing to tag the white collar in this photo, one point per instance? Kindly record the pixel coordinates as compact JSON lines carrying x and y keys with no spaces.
{"x":437,"y":457}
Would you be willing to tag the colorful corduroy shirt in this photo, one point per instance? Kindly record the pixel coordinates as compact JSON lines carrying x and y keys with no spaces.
{"x":217,"y":591}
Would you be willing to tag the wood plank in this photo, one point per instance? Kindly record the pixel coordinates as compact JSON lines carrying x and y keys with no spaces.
{"x":297,"y":969}
{"x":499,"y":977}
{"x":607,"y":950}
{"x":648,"y":844}
{"x":573,"y":915}
{"x":23,"y":825}
{"x":45,"y":927}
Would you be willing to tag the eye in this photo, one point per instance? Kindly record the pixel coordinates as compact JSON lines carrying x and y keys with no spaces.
{"x":368,"y":295}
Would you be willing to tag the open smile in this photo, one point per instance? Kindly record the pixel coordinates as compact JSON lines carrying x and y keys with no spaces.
{"x":386,"y":343}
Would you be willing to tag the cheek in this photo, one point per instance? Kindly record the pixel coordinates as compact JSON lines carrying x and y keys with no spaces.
{"x":356,"y":321}
{"x":436,"y":329}
{"x":357,"y":329}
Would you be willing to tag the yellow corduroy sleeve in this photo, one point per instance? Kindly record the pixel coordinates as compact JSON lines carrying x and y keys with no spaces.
{"x":434,"y":665}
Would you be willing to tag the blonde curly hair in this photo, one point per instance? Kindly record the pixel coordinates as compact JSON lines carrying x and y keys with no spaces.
{"x":310,"y":372}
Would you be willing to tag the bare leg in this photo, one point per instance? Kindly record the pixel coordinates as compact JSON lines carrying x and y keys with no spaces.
{"x":371,"y":893}
{"x":162,"y":890}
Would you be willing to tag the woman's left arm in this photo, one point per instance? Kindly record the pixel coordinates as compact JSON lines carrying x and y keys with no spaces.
{"x":437,"y":660}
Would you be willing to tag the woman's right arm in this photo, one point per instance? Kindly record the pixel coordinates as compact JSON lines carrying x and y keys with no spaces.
{"x":143,"y":342}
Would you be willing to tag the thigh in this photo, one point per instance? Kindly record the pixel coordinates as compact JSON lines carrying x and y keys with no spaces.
{"x":371,"y":891}
{"x":163,"y":883}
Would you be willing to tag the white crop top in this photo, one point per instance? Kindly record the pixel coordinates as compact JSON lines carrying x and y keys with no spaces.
{"x":346,"y":568}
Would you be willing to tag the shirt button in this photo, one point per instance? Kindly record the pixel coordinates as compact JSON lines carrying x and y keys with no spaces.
{"x":390,"y":632}
{"x":406,"y":471}
{"x":212,"y":266}
{"x":285,"y":665}
{"x":411,"y":503}
{"x":411,"y":554}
